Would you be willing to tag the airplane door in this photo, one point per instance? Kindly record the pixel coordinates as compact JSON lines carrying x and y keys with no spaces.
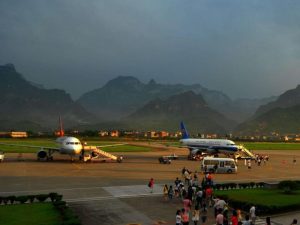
{"x":221,"y":167}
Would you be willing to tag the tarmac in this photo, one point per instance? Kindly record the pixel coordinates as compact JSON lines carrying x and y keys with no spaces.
{"x":117,"y":193}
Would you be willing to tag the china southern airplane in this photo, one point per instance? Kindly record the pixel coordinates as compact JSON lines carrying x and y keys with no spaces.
{"x":207,"y":146}
{"x":71,"y":146}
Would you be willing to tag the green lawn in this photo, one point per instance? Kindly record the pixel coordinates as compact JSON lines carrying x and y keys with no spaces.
{"x":270,"y":145}
{"x":51,"y":143}
{"x":29,"y":214}
{"x":268,"y":197}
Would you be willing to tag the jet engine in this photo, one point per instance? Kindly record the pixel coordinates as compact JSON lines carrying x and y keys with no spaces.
{"x":42,"y":154}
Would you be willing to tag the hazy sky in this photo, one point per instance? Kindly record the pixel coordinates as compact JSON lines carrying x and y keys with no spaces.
{"x":243,"y":48}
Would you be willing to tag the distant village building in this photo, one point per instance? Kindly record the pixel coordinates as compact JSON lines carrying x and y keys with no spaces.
{"x":297,"y":138}
{"x":14,"y":134}
{"x":157,"y":134}
{"x":211,"y":136}
{"x":103,"y":133}
{"x":115,"y":133}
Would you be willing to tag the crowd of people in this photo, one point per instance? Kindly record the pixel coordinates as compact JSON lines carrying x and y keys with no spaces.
{"x":198,"y":199}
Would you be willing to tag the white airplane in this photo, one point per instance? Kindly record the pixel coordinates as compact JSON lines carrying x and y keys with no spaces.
{"x":206,"y":146}
{"x":71,"y":146}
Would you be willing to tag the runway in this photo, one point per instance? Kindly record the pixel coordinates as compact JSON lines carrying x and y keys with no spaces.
{"x":117,"y":193}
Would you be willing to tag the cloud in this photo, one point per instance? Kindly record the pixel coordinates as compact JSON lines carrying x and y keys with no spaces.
{"x":243,"y":48}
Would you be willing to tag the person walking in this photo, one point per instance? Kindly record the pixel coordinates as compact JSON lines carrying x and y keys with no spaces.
{"x":185,"y":218}
{"x":165,"y":192}
{"x":187,"y":203}
{"x":294,"y":222}
{"x":178,"y":217}
{"x":170,"y":192}
{"x":196,"y":215}
{"x":151,"y":185}
{"x":234,"y":218}
{"x":268,"y":220}
{"x":252,"y":215}
{"x":249,"y":164}
{"x":220,"y":218}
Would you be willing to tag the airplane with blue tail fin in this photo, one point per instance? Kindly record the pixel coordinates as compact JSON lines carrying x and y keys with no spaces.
{"x":206,"y":146}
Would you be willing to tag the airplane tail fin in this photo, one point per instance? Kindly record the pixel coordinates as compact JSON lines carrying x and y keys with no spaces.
{"x":61,"y":130}
{"x":184,"y":131}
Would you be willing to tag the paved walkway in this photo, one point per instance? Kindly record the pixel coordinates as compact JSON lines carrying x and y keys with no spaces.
{"x":123,"y":205}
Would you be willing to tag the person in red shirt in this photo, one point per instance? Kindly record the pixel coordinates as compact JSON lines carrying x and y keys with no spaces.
{"x":208,"y":194}
{"x":187,"y":203}
{"x":185,"y":217}
{"x":151,"y":185}
{"x":234,"y":218}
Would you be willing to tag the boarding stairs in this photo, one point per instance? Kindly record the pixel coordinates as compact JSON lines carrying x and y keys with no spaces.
{"x":96,"y":153}
{"x":244,"y":153}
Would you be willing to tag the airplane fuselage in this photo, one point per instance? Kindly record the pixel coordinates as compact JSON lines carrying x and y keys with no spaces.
{"x":69,"y":145}
{"x":210,"y":145}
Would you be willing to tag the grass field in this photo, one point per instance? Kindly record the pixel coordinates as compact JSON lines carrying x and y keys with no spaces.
{"x":29,"y":214}
{"x":254,"y":145}
{"x":51,"y":143}
{"x":270,"y":145}
{"x":268,"y":197}
{"x":130,"y":148}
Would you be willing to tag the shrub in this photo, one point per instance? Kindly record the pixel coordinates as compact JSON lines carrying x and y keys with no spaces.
{"x":232,"y":185}
{"x":1,"y":200}
{"x":22,"y":199}
{"x":42,"y":197}
{"x":11,"y":199}
{"x":260,"y":184}
{"x":218,"y":186}
{"x":288,"y":186}
{"x":58,"y":197}
{"x":73,"y":221}
{"x":59,"y":203}
{"x":53,"y":196}
{"x":31,"y":198}
{"x":5,"y":200}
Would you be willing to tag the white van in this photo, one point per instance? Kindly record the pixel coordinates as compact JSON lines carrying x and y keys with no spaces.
{"x":218,"y":165}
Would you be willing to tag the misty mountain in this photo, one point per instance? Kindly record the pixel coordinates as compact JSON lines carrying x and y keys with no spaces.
{"x":189,"y":107}
{"x":125,"y":94}
{"x":23,"y":103}
{"x":285,"y":100}
{"x":281,"y":115}
{"x":279,"y":120}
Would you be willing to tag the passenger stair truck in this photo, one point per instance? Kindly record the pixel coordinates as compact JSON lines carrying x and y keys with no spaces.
{"x":244,"y":153}
{"x":96,"y":153}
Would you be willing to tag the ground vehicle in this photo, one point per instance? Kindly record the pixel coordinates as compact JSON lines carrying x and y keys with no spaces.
{"x":1,"y":156}
{"x":218,"y":165}
{"x":173,"y":156}
{"x":164,"y":160}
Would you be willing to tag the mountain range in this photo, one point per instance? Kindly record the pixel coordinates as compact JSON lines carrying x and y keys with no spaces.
{"x":280,"y":116}
{"x":125,"y":94}
{"x":127,"y":103}
{"x":23,"y":104}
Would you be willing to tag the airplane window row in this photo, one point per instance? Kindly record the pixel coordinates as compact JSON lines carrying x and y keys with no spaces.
{"x":72,"y":143}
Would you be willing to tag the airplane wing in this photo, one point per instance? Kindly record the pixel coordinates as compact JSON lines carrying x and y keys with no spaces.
{"x":32,"y":146}
{"x":112,"y":145}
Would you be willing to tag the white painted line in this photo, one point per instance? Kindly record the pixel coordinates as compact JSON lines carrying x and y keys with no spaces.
{"x":109,"y":197}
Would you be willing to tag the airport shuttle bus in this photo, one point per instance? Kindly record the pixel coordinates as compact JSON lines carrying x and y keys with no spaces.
{"x":218,"y":165}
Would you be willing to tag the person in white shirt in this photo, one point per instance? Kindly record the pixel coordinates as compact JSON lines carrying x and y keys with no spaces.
{"x":252,"y":215}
